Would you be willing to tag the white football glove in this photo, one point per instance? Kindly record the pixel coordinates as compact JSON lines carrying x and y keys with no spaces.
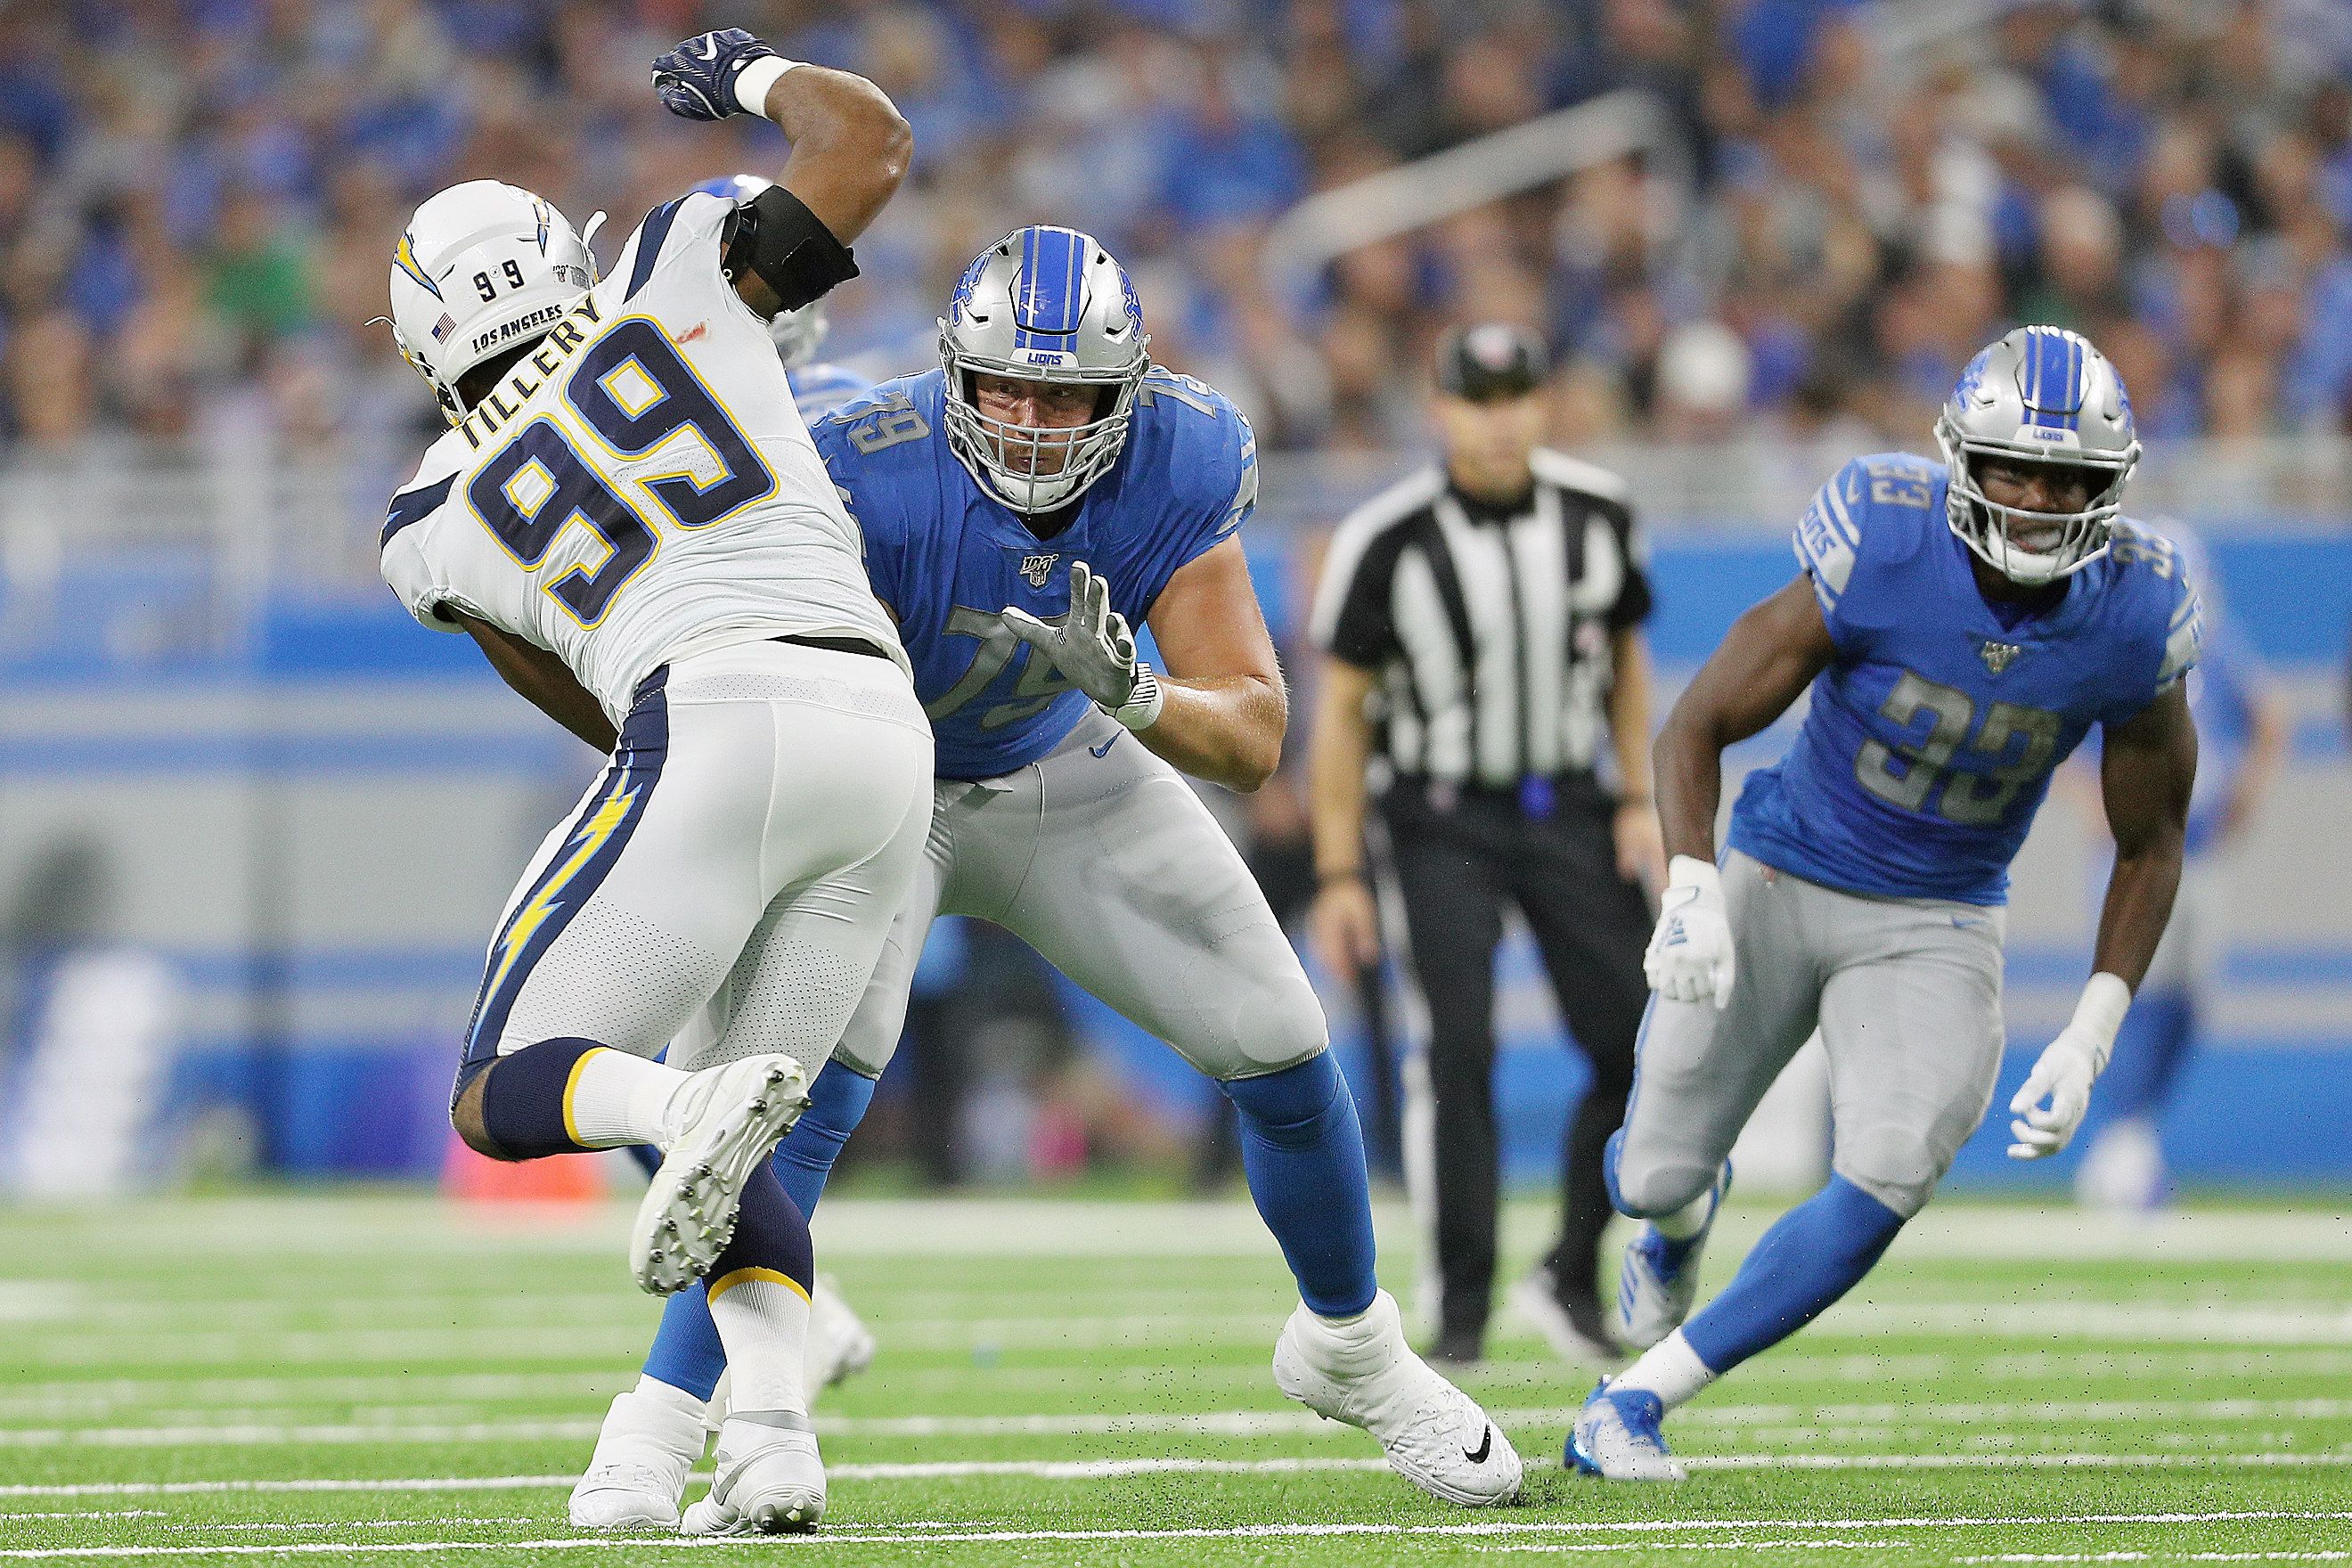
{"x":1093,"y":646}
{"x":2067,"y":1068}
{"x":1689,"y":958}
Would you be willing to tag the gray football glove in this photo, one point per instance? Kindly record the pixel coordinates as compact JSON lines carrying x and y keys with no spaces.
{"x":1094,"y":649}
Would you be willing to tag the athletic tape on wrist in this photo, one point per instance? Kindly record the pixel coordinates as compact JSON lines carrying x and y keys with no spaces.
{"x":753,"y":82}
{"x":2100,"y":1015}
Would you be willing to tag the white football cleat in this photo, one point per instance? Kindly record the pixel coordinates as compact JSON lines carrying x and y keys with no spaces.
{"x":723,"y":1122}
{"x":1616,"y":1437}
{"x":1658,"y":1281}
{"x":840,"y":1345}
{"x":638,"y":1472}
{"x":770,"y":1479}
{"x":1363,"y":1373}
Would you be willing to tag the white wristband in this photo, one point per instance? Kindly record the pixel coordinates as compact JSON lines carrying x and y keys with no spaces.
{"x":2100,"y":1013}
{"x":1142,"y":709}
{"x":752,"y":83}
{"x":1690,"y":872}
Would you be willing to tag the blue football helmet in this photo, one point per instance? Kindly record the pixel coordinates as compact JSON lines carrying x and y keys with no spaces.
{"x":2040,"y":395}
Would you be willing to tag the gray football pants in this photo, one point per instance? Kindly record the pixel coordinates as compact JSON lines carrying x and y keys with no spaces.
{"x":1101,"y":858}
{"x":1906,"y":993}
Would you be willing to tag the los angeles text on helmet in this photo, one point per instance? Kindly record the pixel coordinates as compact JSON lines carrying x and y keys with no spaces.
{"x":547,"y":359}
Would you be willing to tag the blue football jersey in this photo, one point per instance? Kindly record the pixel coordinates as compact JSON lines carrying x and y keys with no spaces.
{"x":947,"y":557}
{"x":1933,"y":732}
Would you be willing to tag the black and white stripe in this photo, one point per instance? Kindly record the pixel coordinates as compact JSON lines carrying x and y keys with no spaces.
{"x":1489,"y":634}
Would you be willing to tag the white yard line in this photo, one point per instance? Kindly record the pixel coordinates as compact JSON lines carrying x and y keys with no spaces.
{"x":2162,"y":1557}
{"x":1791,"y":1543}
{"x":1495,"y":1528}
{"x":2023,"y":1320}
{"x":255,"y":1430}
{"x":1095,"y":1470}
{"x":275,"y":1231}
{"x":67,"y":1397}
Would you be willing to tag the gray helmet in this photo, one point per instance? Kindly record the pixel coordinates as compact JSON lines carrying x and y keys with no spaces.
{"x":1043,"y":304}
{"x":2040,"y":395}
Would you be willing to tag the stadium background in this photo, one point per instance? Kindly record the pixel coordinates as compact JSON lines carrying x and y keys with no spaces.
{"x":266,"y":821}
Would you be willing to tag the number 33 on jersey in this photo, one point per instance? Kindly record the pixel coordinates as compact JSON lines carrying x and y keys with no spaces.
{"x":1933,"y":733}
{"x":638,"y":487}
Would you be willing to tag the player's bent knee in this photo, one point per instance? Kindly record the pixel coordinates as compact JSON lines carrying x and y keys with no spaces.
{"x":465,"y":1112}
{"x":1898,"y":1172}
{"x":1644,"y":1189}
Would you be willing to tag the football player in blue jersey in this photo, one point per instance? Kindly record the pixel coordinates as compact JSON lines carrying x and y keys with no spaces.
{"x":1025,"y":506}
{"x":1961,"y":625}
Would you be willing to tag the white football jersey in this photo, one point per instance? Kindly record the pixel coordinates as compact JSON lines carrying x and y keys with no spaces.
{"x":639,"y":487}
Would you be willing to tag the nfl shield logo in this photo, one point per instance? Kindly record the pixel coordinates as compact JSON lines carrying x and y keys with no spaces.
{"x":1037,"y":568}
{"x":1997,"y":654}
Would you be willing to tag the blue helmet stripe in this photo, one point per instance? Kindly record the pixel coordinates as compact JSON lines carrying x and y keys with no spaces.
{"x":2053,"y":379}
{"x":1047,"y":302}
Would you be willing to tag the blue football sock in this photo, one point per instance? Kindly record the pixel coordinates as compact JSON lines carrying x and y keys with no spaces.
{"x":1815,"y":1254}
{"x":686,"y":1352}
{"x":837,"y":1102}
{"x":2150,"y":1049}
{"x":1304,"y":1154}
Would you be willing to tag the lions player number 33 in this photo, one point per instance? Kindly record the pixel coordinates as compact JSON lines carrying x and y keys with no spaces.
{"x":633,"y":392}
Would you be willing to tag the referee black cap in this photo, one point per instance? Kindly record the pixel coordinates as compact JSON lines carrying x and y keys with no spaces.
{"x":1490,"y":360}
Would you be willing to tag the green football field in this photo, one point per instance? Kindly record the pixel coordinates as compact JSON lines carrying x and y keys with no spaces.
{"x":387,"y":1379}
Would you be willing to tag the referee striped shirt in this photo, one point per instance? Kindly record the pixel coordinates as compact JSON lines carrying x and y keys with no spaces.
{"x":1488,"y":629}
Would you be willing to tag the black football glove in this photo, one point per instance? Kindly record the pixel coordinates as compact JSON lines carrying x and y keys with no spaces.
{"x":697,"y":79}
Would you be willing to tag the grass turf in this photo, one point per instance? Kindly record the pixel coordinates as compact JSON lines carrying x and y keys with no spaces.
{"x":378,"y":1379}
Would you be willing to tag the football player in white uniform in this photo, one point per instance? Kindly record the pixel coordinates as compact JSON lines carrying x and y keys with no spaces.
{"x":630,"y":518}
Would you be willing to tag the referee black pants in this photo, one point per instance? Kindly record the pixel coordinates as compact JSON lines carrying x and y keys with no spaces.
{"x":1456,"y":863}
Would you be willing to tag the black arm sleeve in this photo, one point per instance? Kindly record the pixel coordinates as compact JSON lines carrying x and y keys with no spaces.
{"x":786,"y":248}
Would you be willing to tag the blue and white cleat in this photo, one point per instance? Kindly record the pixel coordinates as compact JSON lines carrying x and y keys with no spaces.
{"x":1616,"y":1437}
{"x":1659,"y":1278}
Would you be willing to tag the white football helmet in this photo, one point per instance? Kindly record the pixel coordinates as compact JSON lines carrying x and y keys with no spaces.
{"x":482,"y":266}
{"x":2040,"y":395}
{"x":1043,"y":304}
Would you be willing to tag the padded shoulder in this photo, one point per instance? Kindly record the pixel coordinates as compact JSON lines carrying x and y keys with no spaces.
{"x":888,"y":429}
{"x":1875,"y":512}
{"x":1194,"y":436}
{"x":407,"y":568}
{"x":2159,"y":597}
{"x":687,"y":226}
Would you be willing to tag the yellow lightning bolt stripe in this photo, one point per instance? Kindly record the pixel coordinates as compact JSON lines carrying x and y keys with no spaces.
{"x":404,"y":256}
{"x":534,"y":913}
{"x":734,"y":1277}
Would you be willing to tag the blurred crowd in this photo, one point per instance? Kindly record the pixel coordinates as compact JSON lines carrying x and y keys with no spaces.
{"x":198,"y":198}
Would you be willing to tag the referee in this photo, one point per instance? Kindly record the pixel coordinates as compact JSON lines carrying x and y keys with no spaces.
{"x":1480,"y":623}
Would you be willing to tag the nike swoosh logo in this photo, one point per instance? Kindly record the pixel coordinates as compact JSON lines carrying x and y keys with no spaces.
{"x":1486,"y":1446}
{"x":1104,"y":750}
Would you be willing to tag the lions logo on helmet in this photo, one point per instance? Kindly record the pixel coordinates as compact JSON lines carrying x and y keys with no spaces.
{"x":2042,"y":396}
{"x":1050,"y":305}
{"x":482,"y":266}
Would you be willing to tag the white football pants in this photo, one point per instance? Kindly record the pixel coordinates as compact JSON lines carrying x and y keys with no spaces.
{"x":758,"y":829}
